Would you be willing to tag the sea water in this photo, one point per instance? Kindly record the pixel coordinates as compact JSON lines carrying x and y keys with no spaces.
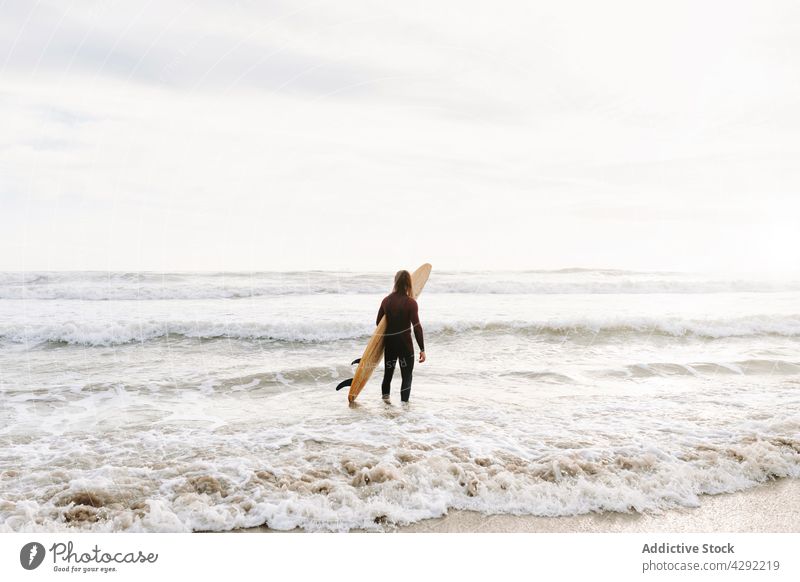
{"x":206,"y":401}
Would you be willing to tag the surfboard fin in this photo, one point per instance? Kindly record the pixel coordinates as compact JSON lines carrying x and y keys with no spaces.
{"x":354,"y":362}
{"x":345,"y":383}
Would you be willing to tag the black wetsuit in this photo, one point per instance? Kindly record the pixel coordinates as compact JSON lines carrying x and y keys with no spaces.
{"x":401,"y":315}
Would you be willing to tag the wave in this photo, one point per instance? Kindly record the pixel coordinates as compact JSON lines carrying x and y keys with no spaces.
{"x":118,"y":333}
{"x":118,"y":286}
{"x":740,"y":367}
{"x":788,"y":326}
{"x":123,"y":332}
{"x":280,"y":381}
{"x":322,"y":485}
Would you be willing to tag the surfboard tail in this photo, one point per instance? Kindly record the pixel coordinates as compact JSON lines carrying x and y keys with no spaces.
{"x":341,"y":385}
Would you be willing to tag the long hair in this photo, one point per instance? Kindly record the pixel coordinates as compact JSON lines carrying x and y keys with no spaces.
{"x":402,"y":283}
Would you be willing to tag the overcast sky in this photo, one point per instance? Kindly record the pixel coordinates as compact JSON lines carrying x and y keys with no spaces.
{"x":176,"y":135}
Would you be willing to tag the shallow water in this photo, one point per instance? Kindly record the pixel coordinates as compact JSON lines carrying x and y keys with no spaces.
{"x":177,"y":402}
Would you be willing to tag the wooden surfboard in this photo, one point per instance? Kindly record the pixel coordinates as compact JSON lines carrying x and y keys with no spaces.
{"x":373,"y":353}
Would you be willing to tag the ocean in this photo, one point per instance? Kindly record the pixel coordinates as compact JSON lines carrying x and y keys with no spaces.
{"x":205,"y":401}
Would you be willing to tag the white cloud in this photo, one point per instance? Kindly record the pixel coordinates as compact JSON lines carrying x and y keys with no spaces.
{"x":177,"y":135}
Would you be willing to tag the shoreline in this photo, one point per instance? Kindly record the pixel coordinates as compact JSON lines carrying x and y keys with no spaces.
{"x":773,"y":507}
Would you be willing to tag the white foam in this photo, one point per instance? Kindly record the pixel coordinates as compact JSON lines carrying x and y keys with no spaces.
{"x":347,"y":487}
{"x":96,"y":286}
{"x":121,"y":332}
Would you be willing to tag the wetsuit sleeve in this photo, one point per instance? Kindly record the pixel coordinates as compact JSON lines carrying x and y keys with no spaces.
{"x":381,"y":313}
{"x":417,"y":325}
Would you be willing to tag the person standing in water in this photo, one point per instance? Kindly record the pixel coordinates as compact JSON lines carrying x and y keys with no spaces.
{"x":402,"y":313}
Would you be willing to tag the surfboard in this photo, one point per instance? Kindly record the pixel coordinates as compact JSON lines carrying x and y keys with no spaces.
{"x":373,"y":353}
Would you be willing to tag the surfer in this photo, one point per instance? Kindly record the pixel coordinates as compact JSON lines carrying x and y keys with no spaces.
{"x":401,"y":311}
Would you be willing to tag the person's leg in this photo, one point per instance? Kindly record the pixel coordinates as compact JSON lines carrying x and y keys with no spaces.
{"x":389,"y":361}
{"x":406,"y":371}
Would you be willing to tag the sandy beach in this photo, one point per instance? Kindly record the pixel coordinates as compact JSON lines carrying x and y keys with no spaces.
{"x":771,"y":508}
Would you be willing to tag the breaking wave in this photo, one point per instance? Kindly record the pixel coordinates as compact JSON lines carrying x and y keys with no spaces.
{"x":299,"y":484}
{"x":122,"y":332}
{"x":101,"y":286}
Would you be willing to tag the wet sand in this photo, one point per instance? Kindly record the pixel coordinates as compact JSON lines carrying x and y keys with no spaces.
{"x":773,"y":507}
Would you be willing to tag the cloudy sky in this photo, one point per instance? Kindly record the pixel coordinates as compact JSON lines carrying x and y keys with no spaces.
{"x":177,"y":135}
